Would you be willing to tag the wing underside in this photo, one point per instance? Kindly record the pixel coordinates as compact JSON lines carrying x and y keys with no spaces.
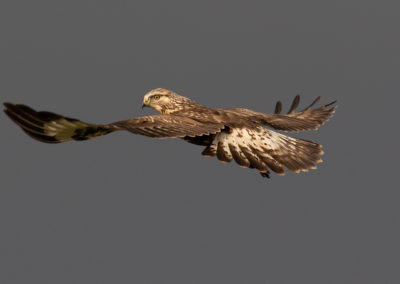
{"x":264,"y":150}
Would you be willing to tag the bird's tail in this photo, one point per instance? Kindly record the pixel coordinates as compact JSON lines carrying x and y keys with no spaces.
{"x":53,"y":128}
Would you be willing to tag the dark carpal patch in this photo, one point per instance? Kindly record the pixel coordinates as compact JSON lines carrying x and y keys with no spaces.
{"x":81,"y":134}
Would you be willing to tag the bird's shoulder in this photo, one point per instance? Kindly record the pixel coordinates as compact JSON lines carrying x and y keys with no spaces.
{"x":227,"y":116}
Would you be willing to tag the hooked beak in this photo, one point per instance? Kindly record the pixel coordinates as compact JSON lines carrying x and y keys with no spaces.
{"x":145,"y":103}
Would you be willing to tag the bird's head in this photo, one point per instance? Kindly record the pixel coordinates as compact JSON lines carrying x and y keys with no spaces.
{"x":166,"y":101}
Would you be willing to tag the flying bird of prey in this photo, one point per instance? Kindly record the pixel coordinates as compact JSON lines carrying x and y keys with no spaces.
{"x":230,"y":134}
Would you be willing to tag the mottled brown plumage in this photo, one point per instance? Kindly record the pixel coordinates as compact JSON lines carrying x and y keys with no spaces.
{"x":229,"y":134}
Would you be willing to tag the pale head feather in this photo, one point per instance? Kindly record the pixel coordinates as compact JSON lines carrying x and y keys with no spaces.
{"x":166,"y":101}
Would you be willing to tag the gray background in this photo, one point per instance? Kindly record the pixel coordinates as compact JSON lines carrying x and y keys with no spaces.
{"x":129,"y":209}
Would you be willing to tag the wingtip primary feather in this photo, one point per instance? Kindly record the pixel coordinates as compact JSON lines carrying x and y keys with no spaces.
{"x":312,"y":104}
{"x":295,"y":103}
{"x":278,"y":107}
{"x":334,"y":102}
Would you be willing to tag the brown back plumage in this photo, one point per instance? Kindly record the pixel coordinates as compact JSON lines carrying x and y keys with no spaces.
{"x":229,"y":134}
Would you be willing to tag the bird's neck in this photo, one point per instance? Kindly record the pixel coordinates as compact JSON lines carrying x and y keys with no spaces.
{"x":178,"y":106}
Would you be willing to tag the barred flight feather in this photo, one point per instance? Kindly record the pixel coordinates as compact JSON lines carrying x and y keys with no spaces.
{"x":229,"y":134}
{"x":264,"y":149}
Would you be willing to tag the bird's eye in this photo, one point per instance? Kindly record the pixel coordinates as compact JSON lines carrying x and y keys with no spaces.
{"x":156,"y":97}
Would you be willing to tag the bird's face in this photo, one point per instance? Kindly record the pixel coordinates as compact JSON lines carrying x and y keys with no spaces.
{"x":164,"y":101}
{"x":156,"y":99}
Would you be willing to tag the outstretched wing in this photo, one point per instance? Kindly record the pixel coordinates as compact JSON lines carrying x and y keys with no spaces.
{"x":53,"y":128}
{"x":264,"y":150}
{"x":165,"y":125}
{"x":49,"y":127}
{"x":307,"y":119}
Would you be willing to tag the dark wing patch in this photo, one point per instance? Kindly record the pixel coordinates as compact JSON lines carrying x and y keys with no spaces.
{"x":49,"y":127}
